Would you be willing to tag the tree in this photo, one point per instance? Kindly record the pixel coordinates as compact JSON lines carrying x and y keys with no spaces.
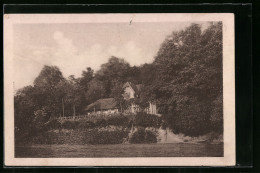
{"x":48,"y":90}
{"x":114,"y":69}
{"x":24,"y":106}
{"x":117,"y":93}
{"x":96,"y":91}
{"x":188,"y":79}
{"x":87,"y":76}
{"x":49,"y":76}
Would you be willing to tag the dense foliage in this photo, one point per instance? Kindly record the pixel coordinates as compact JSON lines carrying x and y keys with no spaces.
{"x":187,"y":84}
{"x":143,"y":136}
{"x":185,"y":81}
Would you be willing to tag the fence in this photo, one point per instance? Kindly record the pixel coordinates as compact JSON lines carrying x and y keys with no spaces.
{"x":91,"y":115}
{"x":73,"y":117}
{"x":97,"y":115}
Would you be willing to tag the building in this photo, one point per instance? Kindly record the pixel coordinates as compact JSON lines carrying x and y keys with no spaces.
{"x":105,"y":106}
{"x":110,"y":105}
{"x":132,"y":91}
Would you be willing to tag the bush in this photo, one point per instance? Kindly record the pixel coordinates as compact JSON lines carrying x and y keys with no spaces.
{"x":96,"y":121}
{"x":86,"y":124}
{"x":53,"y":124}
{"x":101,"y":123}
{"x":119,"y":120}
{"x":143,"y":136}
{"x":40,"y":121}
{"x":138,"y":136}
{"x":150,"y":137}
{"x":147,"y":120}
{"x":190,"y":125}
{"x":107,"y":137}
{"x":70,"y":124}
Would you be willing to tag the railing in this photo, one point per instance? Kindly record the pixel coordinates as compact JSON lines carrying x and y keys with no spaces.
{"x":90,"y":115}
{"x":94,"y":115}
{"x":73,"y":117}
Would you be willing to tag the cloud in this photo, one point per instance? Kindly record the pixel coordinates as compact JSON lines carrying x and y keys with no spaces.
{"x":66,"y":55}
{"x":131,"y":53}
{"x":71,"y":61}
{"x":65,"y":45}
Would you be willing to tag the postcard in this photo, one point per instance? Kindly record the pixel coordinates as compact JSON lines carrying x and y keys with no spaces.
{"x":140,"y":89}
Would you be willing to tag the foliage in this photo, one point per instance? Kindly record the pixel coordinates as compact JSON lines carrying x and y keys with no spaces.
{"x":142,"y":136}
{"x":40,"y":120}
{"x":49,"y":76}
{"x":70,"y":124}
{"x":96,"y":122}
{"x":96,"y":90}
{"x":24,"y":107}
{"x":114,"y":69}
{"x":147,"y":120}
{"x":53,"y":123}
{"x":117,"y":93}
{"x":118,"y":121}
{"x":107,"y":137}
{"x":185,"y":82}
{"x":86,"y":124}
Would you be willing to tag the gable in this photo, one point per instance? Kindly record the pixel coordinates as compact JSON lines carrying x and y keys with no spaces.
{"x":128,"y":92}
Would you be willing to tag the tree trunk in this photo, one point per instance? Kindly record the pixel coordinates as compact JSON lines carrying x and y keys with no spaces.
{"x":74,"y":111}
{"x":62,"y":106}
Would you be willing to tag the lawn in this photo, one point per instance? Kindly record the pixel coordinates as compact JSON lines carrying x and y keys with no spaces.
{"x":121,"y":150}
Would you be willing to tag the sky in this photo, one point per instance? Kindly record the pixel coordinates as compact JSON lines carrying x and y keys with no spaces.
{"x":74,"y":47}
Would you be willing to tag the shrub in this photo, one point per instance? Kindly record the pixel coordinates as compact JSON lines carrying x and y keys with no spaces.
{"x":101,"y":123}
{"x":53,"y":124}
{"x":86,"y":124}
{"x":189,"y":125}
{"x":40,"y":120}
{"x":143,"y":136}
{"x":119,"y":120}
{"x":107,"y":137}
{"x":150,"y":137}
{"x":147,"y":120}
{"x":69,"y":124}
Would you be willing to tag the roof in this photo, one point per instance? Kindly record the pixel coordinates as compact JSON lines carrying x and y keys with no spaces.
{"x":103,"y":104}
{"x":136,"y":88}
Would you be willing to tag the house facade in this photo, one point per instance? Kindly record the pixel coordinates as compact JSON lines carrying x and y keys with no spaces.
{"x":132,"y":91}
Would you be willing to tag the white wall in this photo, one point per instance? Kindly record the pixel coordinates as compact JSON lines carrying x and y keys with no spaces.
{"x":130,"y":92}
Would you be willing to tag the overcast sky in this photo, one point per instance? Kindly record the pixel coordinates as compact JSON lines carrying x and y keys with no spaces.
{"x":73,"y":47}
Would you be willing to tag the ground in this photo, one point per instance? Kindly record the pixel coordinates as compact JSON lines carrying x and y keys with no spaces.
{"x":121,"y":150}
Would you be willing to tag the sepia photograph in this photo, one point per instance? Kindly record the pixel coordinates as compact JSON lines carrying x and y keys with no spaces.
{"x":119,"y":89}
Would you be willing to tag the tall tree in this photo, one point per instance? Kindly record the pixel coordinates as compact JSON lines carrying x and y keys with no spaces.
{"x":188,"y":80}
{"x":114,"y":69}
{"x":24,"y":107}
{"x":87,"y":76}
{"x":49,"y":76}
{"x":49,"y":92}
{"x":95,"y":91}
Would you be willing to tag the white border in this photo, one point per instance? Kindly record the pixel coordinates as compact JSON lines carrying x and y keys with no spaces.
{"x":228,"y":89}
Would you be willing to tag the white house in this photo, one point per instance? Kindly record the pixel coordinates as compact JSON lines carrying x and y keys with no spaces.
{"x":132,"y":91}
{"x":110,"y":105}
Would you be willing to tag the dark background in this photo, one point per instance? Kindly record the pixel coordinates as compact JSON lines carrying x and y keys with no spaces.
{"x":247,"y":90}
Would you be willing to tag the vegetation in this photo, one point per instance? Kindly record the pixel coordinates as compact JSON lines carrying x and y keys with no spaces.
{"x":147,"y":120}
{"x":108,"y":137}
{"x":186,"y":86}
{"x":143,"y":136}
